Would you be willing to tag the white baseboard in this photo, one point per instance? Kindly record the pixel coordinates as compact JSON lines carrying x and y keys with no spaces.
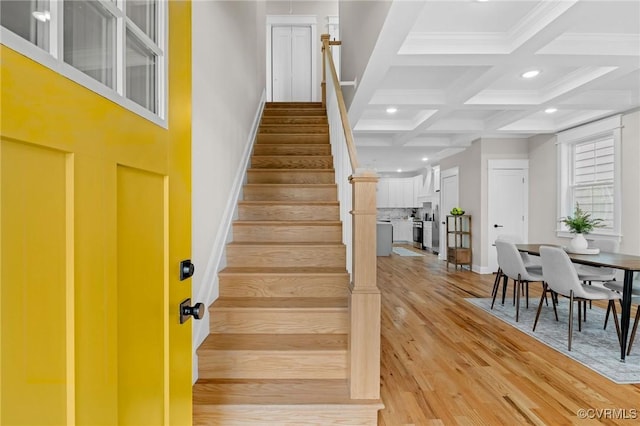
{"x":217,"y":258}
{"x":481,"y":269}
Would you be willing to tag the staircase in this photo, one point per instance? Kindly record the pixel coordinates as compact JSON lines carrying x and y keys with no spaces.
{"x":277,"y":353}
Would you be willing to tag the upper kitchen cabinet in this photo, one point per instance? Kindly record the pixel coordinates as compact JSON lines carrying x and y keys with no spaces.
{"x":396,"y":192}
{"x":382,"y":195}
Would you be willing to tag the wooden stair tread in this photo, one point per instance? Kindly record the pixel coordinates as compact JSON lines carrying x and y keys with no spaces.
{"x":287,"y":222}
{"x":274,"y":391}
{"x":284,"y":243}
{"x":305,"y":270}
{"x":275,"y":342}
{"x":310,"y":171}
{"x":291,"y":185}
{"x":280,"y":303}
{"x":288,"y":202}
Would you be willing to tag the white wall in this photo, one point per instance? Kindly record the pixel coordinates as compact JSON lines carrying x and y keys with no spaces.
{"x":360,"y":25}
{"x":228,"y":82}
{"x":543,"y":218}
{"x":473,"y":165}
{"x":631,"y":183}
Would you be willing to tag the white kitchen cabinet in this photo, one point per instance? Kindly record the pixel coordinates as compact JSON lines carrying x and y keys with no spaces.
{"x":402,"y":230}
{"x":427,"y":234}
{"x":417,"y":189}
{"x":396,"y":192}
{"x":382,"y":194}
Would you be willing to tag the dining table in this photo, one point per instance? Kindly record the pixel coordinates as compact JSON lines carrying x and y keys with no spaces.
{"x":630,"y":264}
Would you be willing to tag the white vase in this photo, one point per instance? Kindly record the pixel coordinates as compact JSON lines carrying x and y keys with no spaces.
{"x":578,"y":243}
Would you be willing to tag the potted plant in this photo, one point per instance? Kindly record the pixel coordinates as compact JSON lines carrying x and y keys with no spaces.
{"x":581,"y":223}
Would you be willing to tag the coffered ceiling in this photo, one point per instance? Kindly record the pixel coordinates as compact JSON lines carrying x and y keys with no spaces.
{"x":453,"y":70}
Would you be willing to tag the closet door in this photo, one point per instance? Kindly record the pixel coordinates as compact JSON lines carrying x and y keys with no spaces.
{"x":291,"y":63}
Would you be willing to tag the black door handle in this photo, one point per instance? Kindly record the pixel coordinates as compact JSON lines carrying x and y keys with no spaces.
{"x":495,"y":225}
{"x":186,"y":310}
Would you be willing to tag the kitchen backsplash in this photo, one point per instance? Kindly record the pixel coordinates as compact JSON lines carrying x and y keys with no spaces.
{"x":404,"y":213}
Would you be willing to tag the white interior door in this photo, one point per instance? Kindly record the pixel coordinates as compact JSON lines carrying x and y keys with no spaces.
{"x":449,"y":196}
{"x":291,"y":63}
{"x":507,"y":205}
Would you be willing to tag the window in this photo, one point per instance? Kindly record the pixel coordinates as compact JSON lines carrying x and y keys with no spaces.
{"x":115,"y":48}
{"x":589,"y":173}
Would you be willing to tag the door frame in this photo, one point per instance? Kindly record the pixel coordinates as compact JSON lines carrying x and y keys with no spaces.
{"x":512,"y":164}
{"x":300,"y":21}
{"x":454,"y":171}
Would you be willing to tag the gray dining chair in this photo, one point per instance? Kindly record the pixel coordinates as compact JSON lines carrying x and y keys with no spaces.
{"x":513,"y":267}
{"x":588,"y":273}
{"x":635,"y":299}
{"x":532,"y":263}
{"x":560,"y":276}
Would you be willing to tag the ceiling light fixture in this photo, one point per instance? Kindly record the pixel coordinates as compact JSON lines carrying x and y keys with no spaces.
{"x":392,"y":110}
{"x":530,"y":74}
{"x":424,"y":159}
{"x":41,"y":16}
{"x":550,"y":110}
{"x":399,"y":170}
{"x":482,"y":1}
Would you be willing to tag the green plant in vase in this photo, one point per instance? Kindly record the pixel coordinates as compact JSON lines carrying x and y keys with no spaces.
{"x":581,"y":223}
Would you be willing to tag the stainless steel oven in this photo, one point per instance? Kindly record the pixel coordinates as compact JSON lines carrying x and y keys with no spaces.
{"x":417,"y":234}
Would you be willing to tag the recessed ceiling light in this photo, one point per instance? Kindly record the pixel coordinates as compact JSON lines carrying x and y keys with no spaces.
{"x":482,"y":1}
{"x":399,"y":170}
{"x":392,"y":110}
{"x":41,"y":16}
{"x":530,"y":74}
{"x":424,"y":159}
{"x":550,"y":110}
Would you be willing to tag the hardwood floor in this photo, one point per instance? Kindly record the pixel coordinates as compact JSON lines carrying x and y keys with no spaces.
{"x":445,"y":362}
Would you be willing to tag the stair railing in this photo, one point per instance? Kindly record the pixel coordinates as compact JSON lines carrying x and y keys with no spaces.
{"x":357,"y":195}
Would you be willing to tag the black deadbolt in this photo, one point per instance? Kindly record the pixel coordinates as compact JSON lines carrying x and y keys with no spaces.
{"x":186,"y":269}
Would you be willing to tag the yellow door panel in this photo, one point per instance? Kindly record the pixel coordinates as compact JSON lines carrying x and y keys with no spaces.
{"x":142,"y":297}
{"x":95,"y":218}
{"x":37,"y":251}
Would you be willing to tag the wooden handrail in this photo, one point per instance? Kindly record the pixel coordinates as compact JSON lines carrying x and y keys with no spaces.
{"x":364,"y":295}
{"x":344,"y":116}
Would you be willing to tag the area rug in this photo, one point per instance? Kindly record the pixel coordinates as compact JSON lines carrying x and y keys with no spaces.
{"x":593,"y":347}
{"x":401,"y":251}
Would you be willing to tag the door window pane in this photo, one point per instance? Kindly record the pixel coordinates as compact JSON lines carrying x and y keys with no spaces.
{"x":27,"y":18}
{"x":89,"y":40}
{"x":141,"y":66}
{"x":144,"y":14}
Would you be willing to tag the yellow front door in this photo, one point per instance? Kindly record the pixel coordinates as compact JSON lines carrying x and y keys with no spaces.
{"x":94,"y":220}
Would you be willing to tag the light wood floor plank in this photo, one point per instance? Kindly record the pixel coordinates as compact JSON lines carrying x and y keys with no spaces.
{"x":446,"y":362}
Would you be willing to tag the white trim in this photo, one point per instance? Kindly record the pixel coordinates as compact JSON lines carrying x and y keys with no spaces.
{"x":611,"y":126}
{"x":484,"y":270}
{"x":54,"y":60}
{"x":217,"y":258}
{"x":293,"y":20}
